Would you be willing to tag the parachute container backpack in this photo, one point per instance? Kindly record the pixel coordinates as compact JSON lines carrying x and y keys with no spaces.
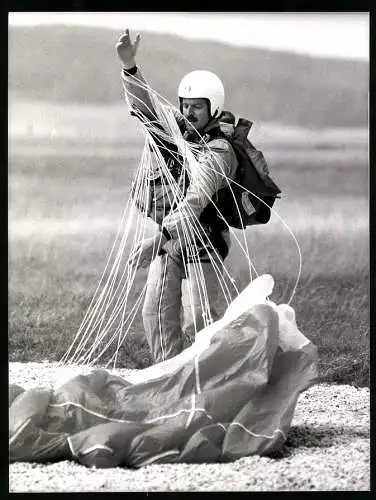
{"x":248,"y":200}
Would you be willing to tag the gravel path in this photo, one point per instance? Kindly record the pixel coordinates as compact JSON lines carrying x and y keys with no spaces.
{"x":328,"y":448}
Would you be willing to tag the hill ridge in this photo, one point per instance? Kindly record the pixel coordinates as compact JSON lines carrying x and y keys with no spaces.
{"x":72,"y":64}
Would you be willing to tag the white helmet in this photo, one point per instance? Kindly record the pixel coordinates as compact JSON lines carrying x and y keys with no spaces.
{"x":202,"y":84}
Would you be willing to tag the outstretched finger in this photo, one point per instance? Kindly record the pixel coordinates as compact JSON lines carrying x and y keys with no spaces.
{"x":124,"y":36}
{"x":137,"y":41}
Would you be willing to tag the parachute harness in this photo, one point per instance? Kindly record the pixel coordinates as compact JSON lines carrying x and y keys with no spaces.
{"x":117,"y":298}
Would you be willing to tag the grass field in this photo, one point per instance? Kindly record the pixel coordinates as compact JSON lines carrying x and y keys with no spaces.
{"x":65,"y":203}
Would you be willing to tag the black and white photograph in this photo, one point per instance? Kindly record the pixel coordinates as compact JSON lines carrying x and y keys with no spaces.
{"x":188,"y":251}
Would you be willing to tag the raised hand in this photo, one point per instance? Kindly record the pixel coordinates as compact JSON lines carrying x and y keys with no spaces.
{"x":127,"y":50}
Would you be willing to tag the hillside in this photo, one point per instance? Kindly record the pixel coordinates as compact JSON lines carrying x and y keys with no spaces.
{"x":62,"y":64}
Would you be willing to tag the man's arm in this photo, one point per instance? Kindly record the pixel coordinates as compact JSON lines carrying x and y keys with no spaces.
{"x":139,"y":100}
{"x":134,"y":84}
{"x":137,"y":96}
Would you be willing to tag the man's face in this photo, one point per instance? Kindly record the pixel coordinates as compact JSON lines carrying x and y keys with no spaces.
{"x":196,"y":111}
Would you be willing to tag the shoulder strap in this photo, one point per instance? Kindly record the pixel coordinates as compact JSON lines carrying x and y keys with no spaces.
{"x":236,"y":133}
{"x":242,"y":129}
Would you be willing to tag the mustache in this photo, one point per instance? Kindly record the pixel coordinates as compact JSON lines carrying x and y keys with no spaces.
{"x":191,"y":118}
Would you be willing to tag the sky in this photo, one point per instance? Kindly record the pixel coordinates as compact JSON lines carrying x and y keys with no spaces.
{"x":340,"y":35}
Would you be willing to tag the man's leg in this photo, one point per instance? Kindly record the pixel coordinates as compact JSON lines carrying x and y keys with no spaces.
{"x":161,"y":310}
{"x":200,"y":293}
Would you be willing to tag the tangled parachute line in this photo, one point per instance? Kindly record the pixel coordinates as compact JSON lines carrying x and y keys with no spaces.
{"x":111,"y":312}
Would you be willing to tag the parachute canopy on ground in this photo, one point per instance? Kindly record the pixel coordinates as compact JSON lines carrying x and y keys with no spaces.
{"x":231,"y":394}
